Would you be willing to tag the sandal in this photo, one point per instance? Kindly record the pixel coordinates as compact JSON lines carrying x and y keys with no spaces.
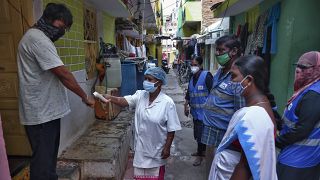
{"x":197,"y":161}
{"x":195,"y":154}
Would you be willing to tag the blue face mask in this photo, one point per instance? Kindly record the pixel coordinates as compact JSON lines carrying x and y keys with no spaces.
{"x":149,"y":86}
{"x":237,"y":87}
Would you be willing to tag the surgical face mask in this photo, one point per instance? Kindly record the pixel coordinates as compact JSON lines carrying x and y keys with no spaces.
{"x":194,"y":69}
{"x":149,"y":86}
{"x":237,"y":87}
{"x":223,"y":58}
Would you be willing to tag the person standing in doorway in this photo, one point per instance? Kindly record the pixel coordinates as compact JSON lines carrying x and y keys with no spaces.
{"x":299,"y":139}
{"x":198,"y":91}
{"x":43,"y":97}
{"x":222,"y":101}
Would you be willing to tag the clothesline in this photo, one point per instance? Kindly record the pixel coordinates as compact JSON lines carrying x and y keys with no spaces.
{"x":138,"y":51}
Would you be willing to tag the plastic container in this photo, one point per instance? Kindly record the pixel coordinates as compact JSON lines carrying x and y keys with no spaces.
{"x":113,"y":72}
{"x":129,"y":74}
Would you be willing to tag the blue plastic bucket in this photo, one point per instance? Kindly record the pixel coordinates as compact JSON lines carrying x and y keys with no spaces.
{"x":129,"y":74}
{"x":140,"y":76}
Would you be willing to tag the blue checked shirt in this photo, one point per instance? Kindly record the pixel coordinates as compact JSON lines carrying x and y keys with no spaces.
{"x":222,"y":102}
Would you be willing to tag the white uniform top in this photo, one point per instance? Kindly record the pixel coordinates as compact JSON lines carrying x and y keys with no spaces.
{"x":152,"y":123}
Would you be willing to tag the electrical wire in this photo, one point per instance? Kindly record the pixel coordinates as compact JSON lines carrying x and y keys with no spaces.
{"x":225,"y":12}
{"x":162,"y":9}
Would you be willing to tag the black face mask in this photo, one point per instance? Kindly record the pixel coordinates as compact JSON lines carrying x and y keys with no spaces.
{"x":57,"y":34}
{"x":54,"y":33}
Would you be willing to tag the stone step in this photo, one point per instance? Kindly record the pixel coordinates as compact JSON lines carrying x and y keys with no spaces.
{"x":68,"y":171}
{"x":102,"y":151}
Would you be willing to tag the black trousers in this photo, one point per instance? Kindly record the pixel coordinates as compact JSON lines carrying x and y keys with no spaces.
{"x":44,"y":139}
{"x":285,"y":172}
{"x":197,"y":133}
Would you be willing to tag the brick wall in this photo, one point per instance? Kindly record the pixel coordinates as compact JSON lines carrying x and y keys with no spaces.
{"x":70,"y":47}
{"x":207,"y":14}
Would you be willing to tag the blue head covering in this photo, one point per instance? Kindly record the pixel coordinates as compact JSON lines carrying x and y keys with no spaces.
{"x":157,"y":73}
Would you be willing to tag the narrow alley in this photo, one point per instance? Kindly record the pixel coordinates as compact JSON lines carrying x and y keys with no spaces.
{"x":179,"y":166}
{"x":68,"y":68}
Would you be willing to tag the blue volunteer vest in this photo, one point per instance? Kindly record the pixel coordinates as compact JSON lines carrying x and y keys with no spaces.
{"x":305,"y":153}
{"x":198,"y":96}
{"x":220,"y":104}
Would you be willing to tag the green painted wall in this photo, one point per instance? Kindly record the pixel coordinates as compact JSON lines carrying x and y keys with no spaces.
{"x":70,"y":47}
{"x":193,"y":10}
{"x":237,"y":20}
{"x":180,"y":17}
{"x":109,"y":28}
{"x":193,"y":13}
{"x":298,"y":32}
{"x":179,"y":29}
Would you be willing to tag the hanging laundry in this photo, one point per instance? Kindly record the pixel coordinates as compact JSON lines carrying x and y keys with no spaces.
{"x":249,"y":47}
{"x":196,"y":50}
{"x":144,"y":51}
{"x":133,"y":49}
{"x":251,"y":18}
{"x":258,"y":32}
{"x":272,"y":22}
{"x":239,"y":28}
{"x":244,"y":36}
{"x":139,"y":52}
{"x":255,"y":40}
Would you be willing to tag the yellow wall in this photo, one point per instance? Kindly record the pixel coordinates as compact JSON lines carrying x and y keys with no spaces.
{"x":152,"y":49}
{"x":159,"y":54}
{"x":150,"y":31}
{"x":109,"y":29}
{"x":172,"y":57}
{"x":158,"y":9}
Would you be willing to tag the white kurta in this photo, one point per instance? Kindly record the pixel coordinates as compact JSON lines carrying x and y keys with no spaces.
{"x":254,"y":129}
{"x":152,"y":123}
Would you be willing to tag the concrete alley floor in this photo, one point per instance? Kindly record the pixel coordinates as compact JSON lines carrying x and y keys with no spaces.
{"x":179,"y":166}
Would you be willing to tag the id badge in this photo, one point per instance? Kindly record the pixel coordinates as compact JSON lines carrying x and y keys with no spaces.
{"x":223,"y":85}
{"x":200,"y":87}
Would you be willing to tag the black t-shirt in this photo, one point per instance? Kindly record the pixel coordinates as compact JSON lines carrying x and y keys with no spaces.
{"x":308,"y":112}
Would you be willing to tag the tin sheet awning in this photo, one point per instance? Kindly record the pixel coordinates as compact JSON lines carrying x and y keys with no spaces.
{"x":115,"y":8}
{"x":233,"y":7}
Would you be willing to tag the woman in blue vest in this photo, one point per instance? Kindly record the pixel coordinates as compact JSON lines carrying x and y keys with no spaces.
{"x":299,"y":140}
{"x":198,"y":90}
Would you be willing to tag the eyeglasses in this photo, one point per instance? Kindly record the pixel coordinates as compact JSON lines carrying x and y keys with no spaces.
{"x":303,"y":66}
